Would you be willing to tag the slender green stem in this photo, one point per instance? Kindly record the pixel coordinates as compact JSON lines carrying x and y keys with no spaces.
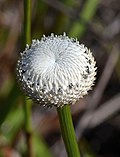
{"x":27,"y":104}
{"x":27,"y":21}
{"x":67,"y":131}
{"x":28,"y":127}
{"x":27,"y":111}
{"x":27,"y":40}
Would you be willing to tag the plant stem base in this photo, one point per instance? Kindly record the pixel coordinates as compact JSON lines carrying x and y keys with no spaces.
{"x":67,"y":131}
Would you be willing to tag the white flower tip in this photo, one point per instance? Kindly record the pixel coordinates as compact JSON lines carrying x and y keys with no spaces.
{"x":64,"y":34}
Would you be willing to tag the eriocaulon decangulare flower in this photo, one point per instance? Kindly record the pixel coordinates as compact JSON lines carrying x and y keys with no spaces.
{"x":56,"y":70}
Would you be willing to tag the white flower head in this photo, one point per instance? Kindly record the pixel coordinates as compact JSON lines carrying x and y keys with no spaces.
{"x":56,"y":70}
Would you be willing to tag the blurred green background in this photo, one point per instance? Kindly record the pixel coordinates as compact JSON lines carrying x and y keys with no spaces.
{"x":96,"y":23}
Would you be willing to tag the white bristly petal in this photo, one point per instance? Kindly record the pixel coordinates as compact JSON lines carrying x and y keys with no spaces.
{"x":56,"y":70}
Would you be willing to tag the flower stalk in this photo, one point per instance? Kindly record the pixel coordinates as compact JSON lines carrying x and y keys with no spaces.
{"x":67,"y":131}
{"x":27,"y":22}
{"x":27,"y":103}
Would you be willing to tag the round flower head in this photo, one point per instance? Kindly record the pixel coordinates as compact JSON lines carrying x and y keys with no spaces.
{"x":56,"y":70}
